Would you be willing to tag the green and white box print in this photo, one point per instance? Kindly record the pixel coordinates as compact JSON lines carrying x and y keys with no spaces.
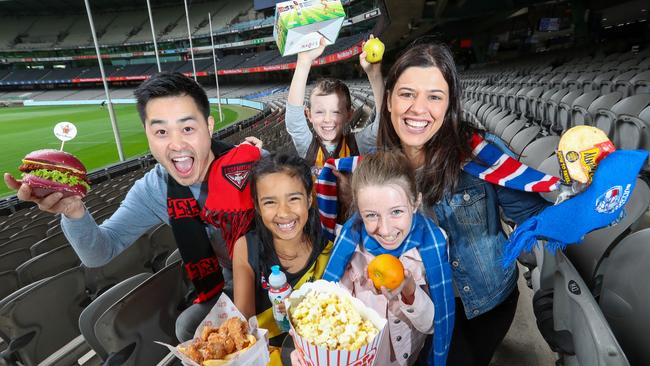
{"x":300,"y":24}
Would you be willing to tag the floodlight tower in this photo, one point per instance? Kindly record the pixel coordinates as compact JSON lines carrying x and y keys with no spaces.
{"x":111,"y":113}
{"x":216,"y":73}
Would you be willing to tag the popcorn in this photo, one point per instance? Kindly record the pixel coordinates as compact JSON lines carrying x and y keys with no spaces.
{"x":332,"y":322}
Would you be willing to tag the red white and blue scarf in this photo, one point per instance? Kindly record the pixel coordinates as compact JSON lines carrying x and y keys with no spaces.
{"x":490,"y":164}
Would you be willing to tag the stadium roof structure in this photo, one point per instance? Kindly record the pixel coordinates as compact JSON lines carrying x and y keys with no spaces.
{"x":49,"y":7}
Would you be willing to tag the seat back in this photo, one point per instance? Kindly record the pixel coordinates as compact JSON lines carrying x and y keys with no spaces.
{"x":523,"y":138}
{"x":625,"y":295}
{"x":34,"y":230}
{"x":133,"y":260}
{"x":49,"y":243}
{"x":550,"y":166}
{"x":575,"y":313}
{"x":511,"y":130}
{"x":587,"y":256}
{"x":144,"y":315}
{"x":46,"y":314}
{"x":552,"y":106}
{"x":578,"y":113}
{"x":163,"y":244}
{"x":18,"y":242}
{"x":92,"y":312}
{"x":12,"y":259}
{"x":640,"y":83}
{"x":539,"y":150}
{"x":600,"y":110}
{"x":564,"y":119}
{"x":8,"y":283}
{"x":47,"y":264}
{"x":503,"y":123}
{"x":7,"y":233}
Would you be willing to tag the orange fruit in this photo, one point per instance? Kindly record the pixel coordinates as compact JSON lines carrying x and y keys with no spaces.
{"x":386,"y":270}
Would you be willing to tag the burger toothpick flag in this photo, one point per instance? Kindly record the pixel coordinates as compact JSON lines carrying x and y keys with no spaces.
{"x":47,"y":171}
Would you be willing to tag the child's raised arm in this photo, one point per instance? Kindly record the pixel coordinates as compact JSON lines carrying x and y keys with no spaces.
{"x":368,"y":136}
{"x":301,"y":73}
{"x":294,"y":117}
{"x":373,"y":71}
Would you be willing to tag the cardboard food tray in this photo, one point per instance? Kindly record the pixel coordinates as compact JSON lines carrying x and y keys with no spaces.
{"x":257,"y":355}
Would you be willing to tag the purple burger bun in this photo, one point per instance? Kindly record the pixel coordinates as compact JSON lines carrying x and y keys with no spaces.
{"x":42,"y":187}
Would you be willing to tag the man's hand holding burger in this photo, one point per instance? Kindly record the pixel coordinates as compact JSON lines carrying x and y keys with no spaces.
{"x":54,"y":180}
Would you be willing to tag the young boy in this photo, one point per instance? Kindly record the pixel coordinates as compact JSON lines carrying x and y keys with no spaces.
{"x":329,"y":111}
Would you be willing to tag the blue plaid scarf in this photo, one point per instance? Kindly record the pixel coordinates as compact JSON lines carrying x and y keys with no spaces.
{"x":431,"y":242}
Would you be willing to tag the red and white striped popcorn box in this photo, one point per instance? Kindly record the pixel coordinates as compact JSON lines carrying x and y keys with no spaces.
{"x":321,"y":356}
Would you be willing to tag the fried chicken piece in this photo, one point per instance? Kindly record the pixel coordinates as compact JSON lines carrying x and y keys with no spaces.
{"x":214,"y":351}
{"x":206,"y":331}
{"x":194,"y":351}
{"x":237,"y":331}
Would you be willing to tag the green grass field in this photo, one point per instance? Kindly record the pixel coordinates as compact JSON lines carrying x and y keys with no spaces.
{"x":24,"y":129}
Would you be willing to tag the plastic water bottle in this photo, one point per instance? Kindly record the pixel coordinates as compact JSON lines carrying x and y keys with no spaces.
{"x":279,"y":289}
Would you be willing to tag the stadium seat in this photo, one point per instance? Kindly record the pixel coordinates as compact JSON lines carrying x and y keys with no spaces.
{"x":8,"y":283}
{"x":541,"y":104}
{"x":19,"y":242}
{"x":579,"y":114}
{"x":37,"y":231}
{"x":600,"y":111}
{"x":568,"y":316}
{"x":564,"y":119}
{"x":49,"y":243}
{"x":92,"y":312}
{"x":552,"y":106}
{"x":524,"y":137}
{"x":640,"y":83}
{"x":131,"y":261}
{"x":511,"y":130}
{"x":47,"y":264}
{"x":39,"y":326}
{"x":12,"y":259}
{"x":625,"y":295}
{"x":588,"y":255}
{"x":163,"y":244}
{"x":503,"y":123}
{"x":7,"y":233}
{"x":627,"y":129}
{"x":144,"y":315}
{"x":539,"y":150}
{"x":529,"y":103}
{"x":550,"y":166}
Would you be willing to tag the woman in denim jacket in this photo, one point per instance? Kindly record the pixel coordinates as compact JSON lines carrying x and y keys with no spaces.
{"x":421,"y":115}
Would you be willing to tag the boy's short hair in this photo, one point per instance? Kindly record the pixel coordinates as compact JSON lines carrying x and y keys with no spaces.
{"x":327,"y":86}
{"x":170,"y":84}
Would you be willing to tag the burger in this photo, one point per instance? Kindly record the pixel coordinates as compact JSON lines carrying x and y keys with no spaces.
{"x":48,"y":171}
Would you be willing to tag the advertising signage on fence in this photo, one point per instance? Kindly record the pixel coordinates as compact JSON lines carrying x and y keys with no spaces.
{"x":335,"y":57}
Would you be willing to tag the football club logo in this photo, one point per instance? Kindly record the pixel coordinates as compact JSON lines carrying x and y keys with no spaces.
{"x":612,"y":200}
{"x":237,"y":174}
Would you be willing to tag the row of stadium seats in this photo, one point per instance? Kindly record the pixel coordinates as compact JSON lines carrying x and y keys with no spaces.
{"x":524,"y":102}
{"x":46,"y":32}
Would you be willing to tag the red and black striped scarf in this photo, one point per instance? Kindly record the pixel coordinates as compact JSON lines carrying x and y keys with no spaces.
{"x":228,"y":207}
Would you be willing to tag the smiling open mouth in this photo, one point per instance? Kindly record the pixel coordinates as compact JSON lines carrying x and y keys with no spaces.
{"x":416,"y":125}
{"x":286,"y":227}
{"x":183,"y":164}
